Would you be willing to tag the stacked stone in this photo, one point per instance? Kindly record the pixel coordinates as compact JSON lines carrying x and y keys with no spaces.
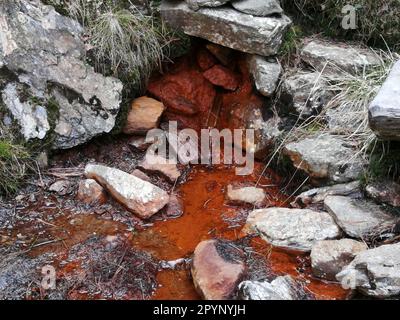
{"x":256,"y":27}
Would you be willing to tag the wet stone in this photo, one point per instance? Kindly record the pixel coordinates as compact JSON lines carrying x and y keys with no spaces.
{"x":174,"y":208}
{"x":222,"y":77}
{"x":217,"y":269}
{"x":223,"y":54}
{"x":91,"y":192}
{"x":205,"y":59}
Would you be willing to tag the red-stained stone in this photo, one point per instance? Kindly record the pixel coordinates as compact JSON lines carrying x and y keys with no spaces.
{"x":174,"y":208}
{"x":144,"y":115}
{"x":157,"y":164}
{"x":222,"y":77}
{"x":91,"y":192}
{"x":217,"y":269}
{"x":205,"y":59}
{"x":237,"y":105}
{"x":187,"y":95}
{"x":223,"y":54}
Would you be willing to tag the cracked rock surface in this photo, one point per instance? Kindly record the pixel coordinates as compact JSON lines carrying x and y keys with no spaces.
{"x":51,"y":85}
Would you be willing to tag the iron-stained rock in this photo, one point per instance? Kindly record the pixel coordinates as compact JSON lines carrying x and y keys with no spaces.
{"x":139,"y":196}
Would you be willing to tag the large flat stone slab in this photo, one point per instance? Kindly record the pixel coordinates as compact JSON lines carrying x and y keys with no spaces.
{"x":384,"y":111}
{"x":228,"y":27}
{"x":337,"y":57}
{"x":357,"y":217}
{"x":326,"y":157}
{"x":296,"y":229}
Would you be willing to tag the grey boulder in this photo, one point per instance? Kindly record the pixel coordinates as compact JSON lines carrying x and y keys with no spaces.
{"x":326,"y":158}
{"x":338,"y":57}
{"x":359,"y":218}
{"x":374,"y":272}
{"x":42,"y":51}
{"x":296,"y":229}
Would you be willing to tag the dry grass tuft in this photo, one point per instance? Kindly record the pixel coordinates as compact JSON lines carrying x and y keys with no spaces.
{"x":126,"y":42}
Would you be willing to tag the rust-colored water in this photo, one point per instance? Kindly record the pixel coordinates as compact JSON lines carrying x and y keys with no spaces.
{"x":206,"y":215}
